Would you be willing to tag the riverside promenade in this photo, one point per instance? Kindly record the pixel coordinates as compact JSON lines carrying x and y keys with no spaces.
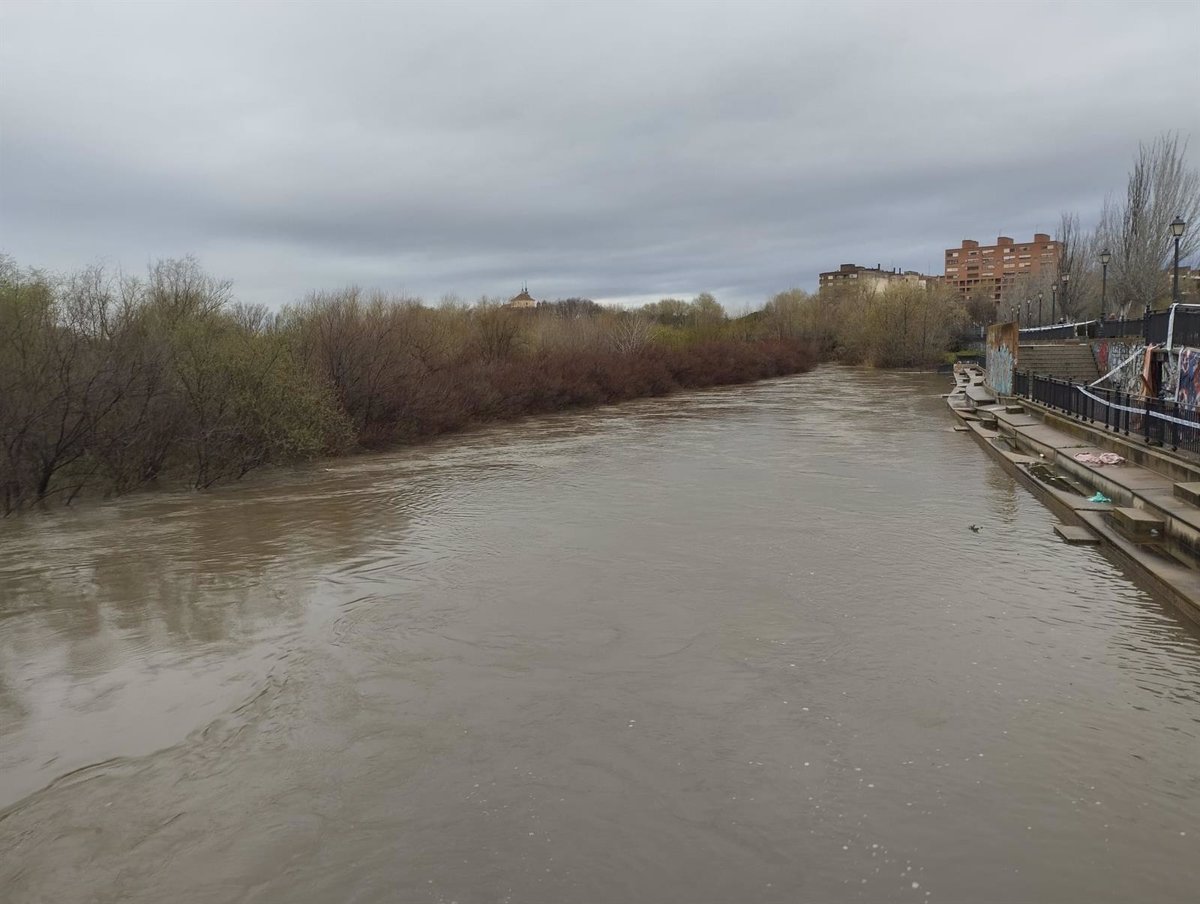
{"x":1139,"y":503}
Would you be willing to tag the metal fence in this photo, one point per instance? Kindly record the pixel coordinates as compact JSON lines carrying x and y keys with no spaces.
{"x":1050,"y":333}
{"x":1152,"y":328}
{"x":1158,"y":422}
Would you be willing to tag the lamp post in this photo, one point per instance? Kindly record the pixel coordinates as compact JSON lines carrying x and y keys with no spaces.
{"x":1028,"y":302}
{"x":1177,"y":228}
{"x":1066,"y":278}
{"x":1053,"y":299}
{"x":1105,"y":257}
{"x":1041,"y":322}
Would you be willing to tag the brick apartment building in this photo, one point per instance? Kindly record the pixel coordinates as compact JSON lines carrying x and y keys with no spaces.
{"x":994,"y":269}
{"x":874,"y":278}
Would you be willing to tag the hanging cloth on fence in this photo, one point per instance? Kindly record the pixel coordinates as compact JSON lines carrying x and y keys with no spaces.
{"x":1188,"y":391}
{"x":1149,"y":376}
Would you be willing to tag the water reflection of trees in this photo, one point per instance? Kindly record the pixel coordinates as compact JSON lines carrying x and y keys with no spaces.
{"x":175,"y":577}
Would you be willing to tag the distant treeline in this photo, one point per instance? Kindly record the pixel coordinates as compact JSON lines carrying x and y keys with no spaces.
{"x":109,"y":383}
{"x":903,"y":326}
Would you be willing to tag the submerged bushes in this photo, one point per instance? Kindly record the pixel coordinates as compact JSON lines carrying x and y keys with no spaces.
{"x":107,"y":384}
{"x":110,"y":383}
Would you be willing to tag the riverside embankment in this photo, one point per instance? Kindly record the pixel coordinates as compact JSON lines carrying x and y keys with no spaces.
{"x":733,"y":645}
{"x":1145,"y":514}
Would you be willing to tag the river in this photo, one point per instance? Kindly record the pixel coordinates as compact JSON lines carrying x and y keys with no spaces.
{"x":731,"y":646}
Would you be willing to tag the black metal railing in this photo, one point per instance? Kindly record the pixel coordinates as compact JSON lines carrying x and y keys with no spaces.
{"x":1157,"y":421}
{"x":1119,"y":329}
{"x":1151,"y":328}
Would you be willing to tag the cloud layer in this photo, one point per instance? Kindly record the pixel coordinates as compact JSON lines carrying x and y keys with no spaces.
{"x":614,"y":151}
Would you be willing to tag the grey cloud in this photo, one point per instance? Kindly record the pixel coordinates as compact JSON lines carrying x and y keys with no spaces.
{"x":590,"y":149}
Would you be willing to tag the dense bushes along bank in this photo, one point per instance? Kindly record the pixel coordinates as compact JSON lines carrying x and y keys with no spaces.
{"x":109,"y":383}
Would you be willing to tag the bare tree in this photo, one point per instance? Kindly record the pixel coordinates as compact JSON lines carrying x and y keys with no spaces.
{"x":1079,"y":295}
{"x":1161,"y":186}
{"x":630,"y":333}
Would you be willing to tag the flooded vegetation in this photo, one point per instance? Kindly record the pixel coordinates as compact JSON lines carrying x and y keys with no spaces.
{"x":732,"y":645}
{"x":113,"y":383}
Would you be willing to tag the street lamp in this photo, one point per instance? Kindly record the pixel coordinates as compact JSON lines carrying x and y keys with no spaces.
{"x":1041,"y":322}
{"x":1105,"y":257}
{"x":1053,"y":298}
{"x":1177,"y":228}
{"x":1066,"y":278}
{"x":1028,"y":302}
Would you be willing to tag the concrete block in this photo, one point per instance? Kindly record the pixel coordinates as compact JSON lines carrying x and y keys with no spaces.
{"x":1188,"y":492}
{"x":1076,"y":536}
{"x":1137,"y":524}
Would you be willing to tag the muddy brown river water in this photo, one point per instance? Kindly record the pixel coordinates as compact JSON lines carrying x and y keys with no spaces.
{"x":732,"y":646}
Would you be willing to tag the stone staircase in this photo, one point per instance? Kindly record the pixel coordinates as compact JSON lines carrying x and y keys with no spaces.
{"x":1064,"y":360}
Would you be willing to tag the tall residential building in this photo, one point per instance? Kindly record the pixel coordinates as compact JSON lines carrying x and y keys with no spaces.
{"x":994,"y":269}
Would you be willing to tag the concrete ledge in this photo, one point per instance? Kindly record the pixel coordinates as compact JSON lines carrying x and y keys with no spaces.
{"x":1137,"y":524}
{"x":1131,"y":447}
{"x":1188,"y":492}
{"x":1076,"y":535}
{"x":979,"y":395}
{"x":1146,"y":556}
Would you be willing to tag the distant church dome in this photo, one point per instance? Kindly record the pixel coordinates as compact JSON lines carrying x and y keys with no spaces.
{"x":523,"y":300}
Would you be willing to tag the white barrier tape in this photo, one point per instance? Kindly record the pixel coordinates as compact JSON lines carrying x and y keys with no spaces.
{"x":1159,"y":415}
{"x":1140,"y":353}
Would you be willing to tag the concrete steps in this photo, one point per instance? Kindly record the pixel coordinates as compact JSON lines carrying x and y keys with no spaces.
{"x":1064,"y":360}
{"x":1188,"y":492}
{"x":1076,"y":536}
{"x":1137,"y":524}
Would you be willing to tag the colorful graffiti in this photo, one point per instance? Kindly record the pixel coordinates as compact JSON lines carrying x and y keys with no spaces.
{"x":1188,"y":391}
{"x":1170,"y":376}
{"x":1111,"y":352}
{"x":1001,"y":360}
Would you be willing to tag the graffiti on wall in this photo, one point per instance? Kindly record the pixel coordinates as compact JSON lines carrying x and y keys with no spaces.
{"x":1001,"y":360}
{"x":1111,"y":352}
{"x":1188,"y":391}
{"x":1170,"y":376}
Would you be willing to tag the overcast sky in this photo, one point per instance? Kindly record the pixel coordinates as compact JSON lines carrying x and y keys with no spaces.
{"x":612,"y":150}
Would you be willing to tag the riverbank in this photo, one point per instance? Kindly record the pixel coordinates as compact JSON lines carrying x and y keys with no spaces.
{"x":115,"y":385}
{"x":1141,"y":509}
